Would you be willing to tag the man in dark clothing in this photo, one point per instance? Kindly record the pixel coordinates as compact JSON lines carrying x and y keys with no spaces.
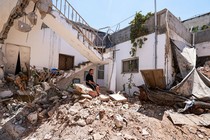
{"x":90,"y":82}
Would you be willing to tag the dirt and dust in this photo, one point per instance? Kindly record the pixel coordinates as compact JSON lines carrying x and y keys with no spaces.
{"x":60,"y":115}
{"x":44,"y":112}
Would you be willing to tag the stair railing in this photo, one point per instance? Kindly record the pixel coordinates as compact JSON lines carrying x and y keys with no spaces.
{"x":73,"y":17}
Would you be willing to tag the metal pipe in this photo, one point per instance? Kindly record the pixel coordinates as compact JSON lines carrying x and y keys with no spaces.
{"x":155,"y":35}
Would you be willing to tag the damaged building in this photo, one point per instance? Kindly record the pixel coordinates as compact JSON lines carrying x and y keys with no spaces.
{"x":47,"y":48}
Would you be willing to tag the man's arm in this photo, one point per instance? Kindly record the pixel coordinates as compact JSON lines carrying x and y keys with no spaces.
{"x":91,"y":82}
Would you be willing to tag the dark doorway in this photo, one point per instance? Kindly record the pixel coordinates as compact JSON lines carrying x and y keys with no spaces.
{"x":66,"y":62}
{"x":18,"y":66}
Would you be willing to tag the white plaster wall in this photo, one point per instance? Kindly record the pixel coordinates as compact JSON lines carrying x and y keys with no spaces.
{"x":6,"y":7}
{"x":146,"y":59}
{"x":45,"y":46}
{"x":203,"y":49}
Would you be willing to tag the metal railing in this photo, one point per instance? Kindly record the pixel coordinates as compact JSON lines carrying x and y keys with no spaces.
{"x":73,"y":17}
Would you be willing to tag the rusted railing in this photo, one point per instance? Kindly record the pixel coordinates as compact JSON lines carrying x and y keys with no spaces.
{"x":73,"y":17}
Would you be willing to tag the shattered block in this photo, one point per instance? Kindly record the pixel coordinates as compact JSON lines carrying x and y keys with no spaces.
{"x":45,"y":86}
{"x":32,"y":117}
{"x":6,"y":94}
{"x":118,"y":97}
{"x":82,"y":88}
{"x":118,"y":119}
{"x":104,"y":98}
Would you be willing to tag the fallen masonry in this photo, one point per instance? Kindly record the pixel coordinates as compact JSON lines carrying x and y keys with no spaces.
{"x":40,"y":110}
{"x":52,"y":117}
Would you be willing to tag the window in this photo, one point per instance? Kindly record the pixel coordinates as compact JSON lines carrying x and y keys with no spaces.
{"x":85,"y":74}
{"x":66,"y":62}
{"x":130,"y":65}
{"x":101,"y":72}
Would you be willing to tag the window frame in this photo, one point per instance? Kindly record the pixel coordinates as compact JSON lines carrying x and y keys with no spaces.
{"x":130,"y":61}
{"x":101,"y":70}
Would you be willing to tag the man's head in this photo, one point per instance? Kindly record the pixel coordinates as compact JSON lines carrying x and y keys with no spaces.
{"x":91,"y":71}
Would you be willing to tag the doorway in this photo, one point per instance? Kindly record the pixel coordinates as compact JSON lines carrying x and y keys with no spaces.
{"x":17,"y":58}
{"x":66,"y":62}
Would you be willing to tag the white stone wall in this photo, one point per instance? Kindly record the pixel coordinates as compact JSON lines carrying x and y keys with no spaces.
{"x":146,"y":56}
{"x":45,"y":46}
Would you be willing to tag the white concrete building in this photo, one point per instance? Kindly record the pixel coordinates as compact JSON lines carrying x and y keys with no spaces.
{"x":58,"y":41}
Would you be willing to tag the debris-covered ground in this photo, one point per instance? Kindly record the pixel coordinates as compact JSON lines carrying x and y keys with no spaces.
{"x":62,"y":115}
{"x":35,"y":109}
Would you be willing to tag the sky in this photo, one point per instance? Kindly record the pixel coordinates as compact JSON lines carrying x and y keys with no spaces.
{"x":103,"y":13}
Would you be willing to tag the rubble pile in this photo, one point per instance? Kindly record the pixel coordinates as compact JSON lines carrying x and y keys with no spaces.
{"x":66,"y":115}
{"x":205,"y":70}
{"x":35,"y":109}
{"x":30,"y":114}
{"x":95,"y":120}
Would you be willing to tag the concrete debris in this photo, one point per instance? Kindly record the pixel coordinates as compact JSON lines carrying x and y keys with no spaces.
{"x":82,"y":88}
{"x":98,"y":136}
{"x":6,"y":94}
{"x":48,"y":136}
{"x":118,"y":97}
{"x":145,"y":132}
{"x":90,"y":119}
{"x":81,"y":122}
{"x":190,"y":119}
{"x":45,"y":86}
{"x":75,"y":120}
{"x":129,"y":137}
{"x":86,"y":96}
{"x":205,"y":70}
{"x":84,"y":113}
{"x":38,"y":109}
{"x":32,"y":117}
{"x":118,"y":119}
{"x":104,"y":98}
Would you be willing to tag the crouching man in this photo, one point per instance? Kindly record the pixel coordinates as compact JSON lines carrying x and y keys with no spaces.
{"x":90,"y":83}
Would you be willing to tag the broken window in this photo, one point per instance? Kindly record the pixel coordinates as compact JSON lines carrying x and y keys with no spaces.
{"x":131,"y":65}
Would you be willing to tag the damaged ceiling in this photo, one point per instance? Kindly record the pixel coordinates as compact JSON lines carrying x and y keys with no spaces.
{"x":17,"y":12}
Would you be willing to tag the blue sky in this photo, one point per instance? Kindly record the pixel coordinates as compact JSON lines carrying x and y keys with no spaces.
{"x":102,"y":13}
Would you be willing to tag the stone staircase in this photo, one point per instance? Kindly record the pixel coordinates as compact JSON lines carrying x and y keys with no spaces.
{"x":68,"y":76}
{"x":66,"y":22}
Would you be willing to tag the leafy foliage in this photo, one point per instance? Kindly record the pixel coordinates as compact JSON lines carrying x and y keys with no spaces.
{"x":138,"y":29}
{"x":204,"y":27}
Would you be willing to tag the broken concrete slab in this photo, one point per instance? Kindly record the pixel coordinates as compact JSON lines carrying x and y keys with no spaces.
{"x":190,"y":119}
{"x":82,"y":88}
{"x":98,"y":136}
{"x":45,"y":86}
{"x":14,"y":130}
{"x":86,"y":96}
{"x":6,"y":94}
{"x":118,"y":119}
{"x":144,"y":132}
{"x":118,"y":97}
{"x":104,"y":98}
{"x":33,"y":117}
